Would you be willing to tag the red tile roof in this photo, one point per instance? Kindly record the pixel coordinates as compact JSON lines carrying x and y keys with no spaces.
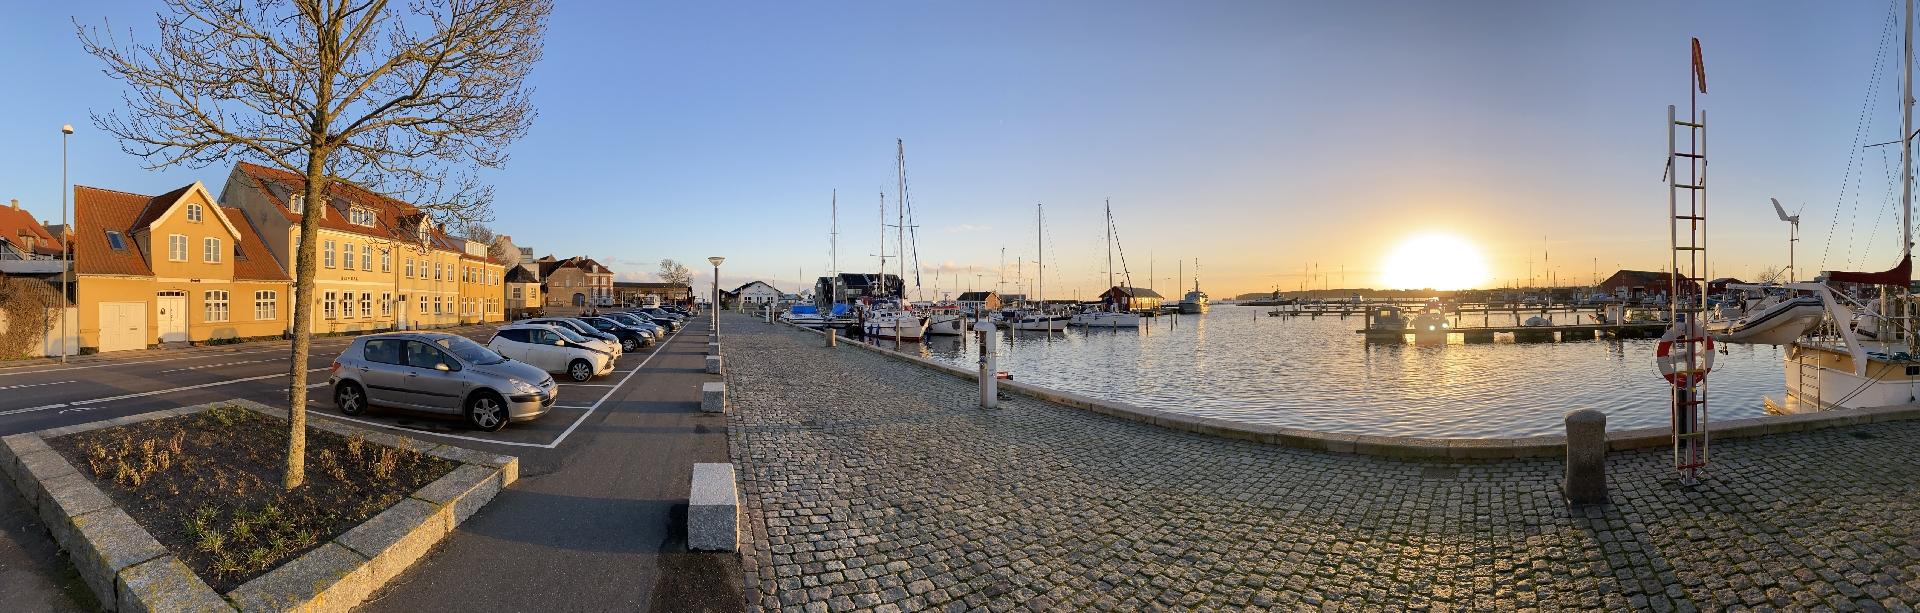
{"x":258,"y":263}
{"x":95,"y":211}
{"x":17,"y":222}
{"x":393,"y":219}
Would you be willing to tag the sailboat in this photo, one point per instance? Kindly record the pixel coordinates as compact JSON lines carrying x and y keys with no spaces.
{"x":1195,"y":302}
{"x":1839,"y":368}
{"x":1114,"y":315}
{"x":1039,"y":318}
{"x":889,"y":316}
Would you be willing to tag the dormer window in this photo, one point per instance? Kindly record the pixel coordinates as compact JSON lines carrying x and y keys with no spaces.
{"x":360,"y":217}
{"x":194,"y":213}
{"x":298,"y":202}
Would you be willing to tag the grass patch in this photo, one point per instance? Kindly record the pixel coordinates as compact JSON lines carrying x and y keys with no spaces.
{"x":207,"y":486}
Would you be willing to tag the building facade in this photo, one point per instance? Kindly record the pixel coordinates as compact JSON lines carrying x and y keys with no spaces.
{"x":522,"y":293}
{"x":752,"y":296}
{"x":173,"y":268}
{"x":632,"y":293}
{"x":575,"y":282}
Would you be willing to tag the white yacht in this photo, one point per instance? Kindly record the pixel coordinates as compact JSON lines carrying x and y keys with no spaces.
{"x":946,"y":320}
{"x":1770,"y":318}
{"x":1105,"y":319}
{"x":890,"y":320}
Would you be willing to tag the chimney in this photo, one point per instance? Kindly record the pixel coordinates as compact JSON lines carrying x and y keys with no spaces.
{"x":16,"y":204}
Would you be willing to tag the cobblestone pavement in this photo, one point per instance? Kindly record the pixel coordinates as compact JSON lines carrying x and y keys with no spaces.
{"x":874,"y":484}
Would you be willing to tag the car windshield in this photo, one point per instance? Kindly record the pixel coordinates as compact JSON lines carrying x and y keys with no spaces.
{"x":569,"y":334}
{"x":469,"y":351}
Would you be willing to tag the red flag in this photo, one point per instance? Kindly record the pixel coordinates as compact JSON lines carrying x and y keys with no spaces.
{"x":1699,"y":68}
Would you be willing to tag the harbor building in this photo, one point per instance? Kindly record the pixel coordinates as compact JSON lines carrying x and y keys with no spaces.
{"x":1131,"y":298}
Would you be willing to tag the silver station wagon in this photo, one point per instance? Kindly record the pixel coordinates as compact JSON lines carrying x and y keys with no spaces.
{"x":442,"y":373}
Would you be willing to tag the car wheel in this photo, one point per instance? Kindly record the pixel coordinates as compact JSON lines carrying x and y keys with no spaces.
{"x":580,"y":370}
{"x":628,"y":344}
{"x":350,"y":398}
{"x":487,"y":411}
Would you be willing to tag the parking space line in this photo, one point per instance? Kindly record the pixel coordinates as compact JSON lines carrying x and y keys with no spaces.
{"x":90,"y":401}
{"x":413,"y":431}
{"x":27,"y":370}
{"x":572,"y":385}
{"x":603,"y":399}
{"x":32,"y":409}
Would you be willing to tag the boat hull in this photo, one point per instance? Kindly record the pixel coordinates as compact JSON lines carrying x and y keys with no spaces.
{"x":1106,"y":320}
{"x":1821,"y":378}
{"x":1777,"y":326}
{"x":902,"y":328}
{"x":946,"y":325}
{"x":1040,"y":324}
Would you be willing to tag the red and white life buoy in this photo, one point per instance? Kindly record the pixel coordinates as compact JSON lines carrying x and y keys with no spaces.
{"x":1673,"y":361}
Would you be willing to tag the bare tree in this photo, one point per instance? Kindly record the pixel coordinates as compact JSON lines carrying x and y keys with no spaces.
{"x":672,"y":271}
{"x":477,"y":231}
{"x":406,"y":101}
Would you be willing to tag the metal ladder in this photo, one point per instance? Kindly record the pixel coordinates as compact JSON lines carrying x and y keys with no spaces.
{"x":1688,"y":240}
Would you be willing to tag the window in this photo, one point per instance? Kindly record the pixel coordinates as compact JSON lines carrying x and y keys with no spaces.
{"x":327,"y":305}
{"x":386,"y":260}
{"x":516,"y":293}
{"x":117,"y":242}
{"x":346,"y":256}
{"x":409,"y":268}
{"x":423,"y":305}
{"x":436,"y":306}
{"x":366,"y":304}
{"x":177,"y":247}
{"x":298,"y":203}
{"x":346,"y":305}
{"x":366,"y":257}
{"x":384,"y":351}
{"x":266,"y":305}
{"x":516,"y":335}
{"x":422,"y":355}
{"x":193,"y":213}
{"x":436,"y":271}
{"x":326,"y":254}
{"x":360,"y":217}
{"x":216,"y":305}
{"x":210,"y":250}
{"x":386,"y":304}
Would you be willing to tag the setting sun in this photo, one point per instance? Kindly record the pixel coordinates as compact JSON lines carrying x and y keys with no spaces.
{"x":1437,"y":261}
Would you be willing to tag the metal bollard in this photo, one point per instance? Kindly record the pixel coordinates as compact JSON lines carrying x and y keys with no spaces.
{"x":989,"y":363}
{"x":833,"y":337}
{"x":1586,"y":478}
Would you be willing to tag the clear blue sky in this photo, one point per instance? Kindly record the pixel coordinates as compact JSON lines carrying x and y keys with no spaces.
{"x":1254,"y":136}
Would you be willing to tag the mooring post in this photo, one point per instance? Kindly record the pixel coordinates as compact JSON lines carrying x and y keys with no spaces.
{"x":989,"y":365}
{"x":833,"y":335}
{"x":1586,"y":479}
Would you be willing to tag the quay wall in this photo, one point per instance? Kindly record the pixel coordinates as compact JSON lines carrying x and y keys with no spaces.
{"x":1406,"y":446}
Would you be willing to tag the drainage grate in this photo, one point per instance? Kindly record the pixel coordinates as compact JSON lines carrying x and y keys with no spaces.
{"x":1439,"y":472}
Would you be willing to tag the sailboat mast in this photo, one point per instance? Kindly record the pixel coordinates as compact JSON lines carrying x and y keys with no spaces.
{"x":900,"y":205}
{"x":1040,"y":259}
{"x":833,"y":282}
{"x":883,"y":244}
{"x":1906,"y":161}
{"x":1116,"y":297}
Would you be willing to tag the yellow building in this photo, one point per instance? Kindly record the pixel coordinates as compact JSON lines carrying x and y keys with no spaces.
{"x":173,"y":268}
{"x":384,"y":264}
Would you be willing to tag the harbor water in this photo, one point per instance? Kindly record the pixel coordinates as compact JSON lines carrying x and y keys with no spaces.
{"x":1236,"y":363}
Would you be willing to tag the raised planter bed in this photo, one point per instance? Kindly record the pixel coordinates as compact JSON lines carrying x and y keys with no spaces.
{"x":182,"y":509}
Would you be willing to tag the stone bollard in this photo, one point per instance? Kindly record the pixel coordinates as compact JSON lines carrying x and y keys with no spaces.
{"x":989,"y":381}
{"x":1586,"y":480}
{"x":833,"y":337}
{"x":713,"y":397}
{"x":713,"y":348}
{"x":713,"y":365}
{"x":713,"y":338}
{"x":713,"y":509}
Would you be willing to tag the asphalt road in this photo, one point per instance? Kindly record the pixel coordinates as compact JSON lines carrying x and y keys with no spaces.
{"x":589,"y":526}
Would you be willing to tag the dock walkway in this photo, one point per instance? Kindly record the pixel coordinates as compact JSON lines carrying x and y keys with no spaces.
{"x":874,"y":484}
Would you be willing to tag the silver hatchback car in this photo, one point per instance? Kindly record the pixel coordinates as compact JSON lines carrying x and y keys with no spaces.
{"x":442,"y":373}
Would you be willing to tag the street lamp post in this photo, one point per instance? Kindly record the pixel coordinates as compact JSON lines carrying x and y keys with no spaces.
{"x":716,"y":260}
{"x":66,"y":235}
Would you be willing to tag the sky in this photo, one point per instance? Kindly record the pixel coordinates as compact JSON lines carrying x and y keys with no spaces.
{"x":1247,"y":141}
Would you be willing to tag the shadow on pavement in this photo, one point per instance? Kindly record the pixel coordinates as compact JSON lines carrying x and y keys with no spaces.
{"x":694,"y":580}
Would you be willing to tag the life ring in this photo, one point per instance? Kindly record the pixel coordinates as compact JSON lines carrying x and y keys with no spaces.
{"x":1672,"y":363}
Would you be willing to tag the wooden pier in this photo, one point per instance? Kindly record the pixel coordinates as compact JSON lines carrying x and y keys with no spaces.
{"x":1575,"y":332}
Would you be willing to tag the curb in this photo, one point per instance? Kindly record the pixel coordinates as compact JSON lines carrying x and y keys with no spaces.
{"x":1405,"y":447}
{"x":129,"y":570}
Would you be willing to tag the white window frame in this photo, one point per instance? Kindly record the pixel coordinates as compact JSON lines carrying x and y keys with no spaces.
{"x":266,"y":305}
{"x":326,"y":305}
{"x":423,"y":305}
{"x":346,"y":305}
{"x":386,"y":304}
{"x":409,"y":268}
{"x":360,"y":217}
{"x":326,"y":256}
{"x":386,"y":260}
{"x":194,"y":213}
{"x":366,"y":304}
{"x":346,"y":256}
{"x":216,"y":304}
{"x":210,"y":250}
{"x":176,"y":247}
{"x":366,"y":257}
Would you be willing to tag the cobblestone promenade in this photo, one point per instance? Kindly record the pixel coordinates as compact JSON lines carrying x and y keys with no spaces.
{"x":874,"y":484}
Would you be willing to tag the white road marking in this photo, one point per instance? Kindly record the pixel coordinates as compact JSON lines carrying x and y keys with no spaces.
{"x":32,"y":409}
{"x":25,"y":385}
{"x":91,"y":401}
{"x":623,"y":381}
{"x":568,"y":384}
{"x":201,"y":356}
{"x":205,"y":366}
{"x":413,"y":431}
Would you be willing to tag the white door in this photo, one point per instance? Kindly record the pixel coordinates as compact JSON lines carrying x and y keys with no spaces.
{"x":172,"y":317}
{"x":543,"y":354}
{"x":123,"y":326}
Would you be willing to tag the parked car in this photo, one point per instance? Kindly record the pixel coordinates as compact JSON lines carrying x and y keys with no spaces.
{"x":437,"y":372}
{"x":658,"y":332}
{"x":581,"y":328}
{"x":658,"y":312}
{"x":630,"y":339}
{"x":671,"y":324}
{"x":677,"y":310}
{"x":554,"y":349}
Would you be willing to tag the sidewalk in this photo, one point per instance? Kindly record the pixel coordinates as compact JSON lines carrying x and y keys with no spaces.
{"x":597,"y":524}
{"x":95,"y":358}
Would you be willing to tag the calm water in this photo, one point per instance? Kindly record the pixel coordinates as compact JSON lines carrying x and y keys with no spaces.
{"x":1236,"y":363}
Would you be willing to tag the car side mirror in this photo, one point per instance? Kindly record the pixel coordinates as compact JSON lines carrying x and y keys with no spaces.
{"x":443,"y":367}
{"x":559,"y":343}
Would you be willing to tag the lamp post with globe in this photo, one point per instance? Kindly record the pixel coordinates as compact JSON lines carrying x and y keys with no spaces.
{"x":716,"y":260}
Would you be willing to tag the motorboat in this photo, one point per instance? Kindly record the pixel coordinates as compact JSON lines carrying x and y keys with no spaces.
{"x":842,"y":317}
{"x":946,"y":320}
{"x":1037,"y":321}
{"x":1105,"y":319}
{"x":889,"y":320}
{"x":1773,"y":318}
{"x":805,"y":316}
{"x":1537,"y":321}
{"x":1431,"y":324}
{"x":1195,"y":302}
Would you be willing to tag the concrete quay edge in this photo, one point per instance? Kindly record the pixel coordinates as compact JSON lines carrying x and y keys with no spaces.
{"x":1405,"y":447}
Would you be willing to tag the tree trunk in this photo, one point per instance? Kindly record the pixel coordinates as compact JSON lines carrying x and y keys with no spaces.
{"x":304,"y":270}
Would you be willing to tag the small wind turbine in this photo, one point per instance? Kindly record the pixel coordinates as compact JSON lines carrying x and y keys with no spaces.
{"x":1793,"y":235}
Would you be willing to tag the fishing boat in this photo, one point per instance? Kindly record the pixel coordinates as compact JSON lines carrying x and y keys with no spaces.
{"x":1431,"y":325}
{"x":1195,"y":302}
{"x":945,"y":319}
